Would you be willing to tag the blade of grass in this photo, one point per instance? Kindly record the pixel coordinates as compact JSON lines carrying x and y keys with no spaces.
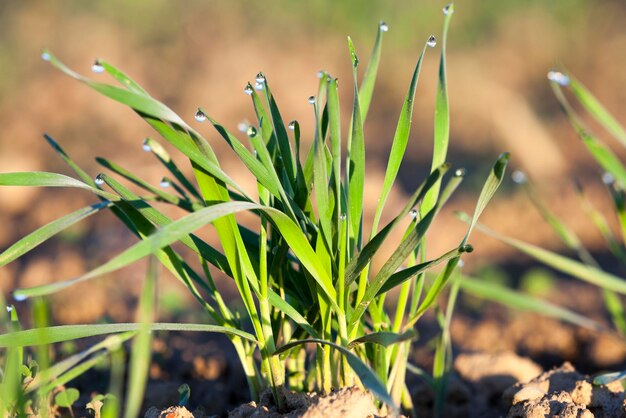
{"x":44,"y":179}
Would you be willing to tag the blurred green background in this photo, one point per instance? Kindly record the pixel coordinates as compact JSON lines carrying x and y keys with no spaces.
{"x":202,"y":53}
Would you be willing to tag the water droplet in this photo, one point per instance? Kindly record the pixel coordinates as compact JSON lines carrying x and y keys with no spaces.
{"x":200,"y":116}
{"x":99,"y":180}
{"x":260,"y":78}
{"x":460,"y":172}
{"x":413,"y":213}
{"x":320,"y":74}
{"x":467,"y":248}
{"x":10,"y":308}
{"x":248,"y":90}
{"x":558,"y":78}
{"x":384,"y":27}
{"x":292,"y":125}
{"x":146,"y":145}
{"x":19,"y":297}
{"x":607,"y":178}
{"x":342,"y":217}
{"x":243,"y":126}
{"x":461,"y":263}
{"x":258,"y":86}
{"x":448,"y":9}
{"x":312,"y":99}
{"x":97,"y":67}
{"x":329,"y":78}
{"x":251,"y":131}
{"x":432,"y":41}
{"x":45,"y":56}
{"x":519,"y":177}
{"x":165,"y":183}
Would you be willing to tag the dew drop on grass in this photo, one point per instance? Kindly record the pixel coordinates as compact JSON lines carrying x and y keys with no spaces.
{"x":460,"y":172}
{"x":242,"y":126}
{"x":165,"y":183}
{"x":558,"y":78}
{"x":608,"y":179}
{"x":99,"y":180}
{"x":384,"y":27}
{"x":260,"y":78}
{"x":413,"y":213}
{"x":19,"y":297}
{"x":258,"y":86}
{"x":320,"y":74}
{"x":292,"y":125}
{"x":96,"y":67}
{"x":461,"y":263}
{"x":146,"y":145}
{"x":10,"y":308}
{"x":312,"y":99}
{"x":248,"y":89}
{"x":432,"y":41}
{"x":200,"y":116}
{"x":519,"y":177}
{"x":448,"y":9}
{"x":342,"y":217}
{"x":45,"y":56}
{"x":251,"y":131}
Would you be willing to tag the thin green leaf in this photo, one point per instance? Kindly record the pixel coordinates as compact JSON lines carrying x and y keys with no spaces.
{"x":62,"y":333}
{"x":605,"y":379}
{"x":599,"y":112}
{"x":45,"y":179}
{"x":44,"y":233}
{"x":517,"y":300}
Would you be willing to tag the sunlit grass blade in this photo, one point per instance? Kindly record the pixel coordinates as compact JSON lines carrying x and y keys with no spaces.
{"x":44,"y":179}
{"x":383,"y":338}
{"x":598,"y":149}
{"x":365,"y":374}
{"x":563,"y":264}
{"x":366,"y":90}
{"x":56,"y":334}
{"x":66,"y":158}
{"x":46,"y":232}
{"x":605,"y":379}
{"x":122,"y":78}
{"x":398,"y":146}
{"x":517,"y":300}
{"x":442,"y":117}
{"x":137,"y":101}
{"x":141,"y":350}
{"x":597,"y":110}
{"x":355,"y":171}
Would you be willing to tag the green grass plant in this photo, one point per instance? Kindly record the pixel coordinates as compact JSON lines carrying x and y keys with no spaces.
{"x":304,"y":274}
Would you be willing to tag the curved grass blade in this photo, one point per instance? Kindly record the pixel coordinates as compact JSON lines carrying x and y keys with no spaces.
{"x":595,"y":108}
{"x":44,"y":233}
{"x":124,"y":79}
{"x":442,"y":118}
{"x":517,"y":300}
{"x":558,"y":262}
{"x":137,"y":101}
{"x":56,"y":334}
{"x":383,"y":338}
{"x":598,"y":149}
{"x":66,"y":158}
{"x":367,"y":375}
{"x":45,"y":179}
{"x":174,"y":231}
{"x":369,"y":78}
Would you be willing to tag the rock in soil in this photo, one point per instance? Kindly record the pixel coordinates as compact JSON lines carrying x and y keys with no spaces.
{"x":563,"y":392}
{"x":349,"y":402}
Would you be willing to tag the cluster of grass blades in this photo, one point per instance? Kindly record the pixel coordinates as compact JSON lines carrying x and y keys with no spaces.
{"x":583,"y":266}
{"x":304,"y":273}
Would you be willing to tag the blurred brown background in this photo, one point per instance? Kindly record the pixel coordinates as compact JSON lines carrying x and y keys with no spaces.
{"x":201,"y":53}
